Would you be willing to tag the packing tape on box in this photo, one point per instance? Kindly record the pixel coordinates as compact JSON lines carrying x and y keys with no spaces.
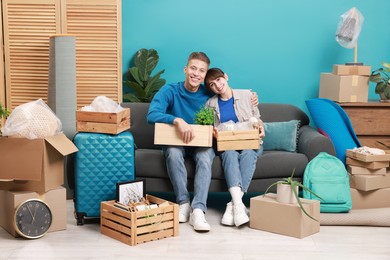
{"x":355,"y":80}
{"x":353,"y":98}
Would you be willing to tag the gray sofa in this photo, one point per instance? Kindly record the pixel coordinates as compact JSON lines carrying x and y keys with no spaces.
{"x":271,"y":166}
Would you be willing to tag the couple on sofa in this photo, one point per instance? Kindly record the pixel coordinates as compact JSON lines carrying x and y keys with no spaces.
{"x":177,"y":104}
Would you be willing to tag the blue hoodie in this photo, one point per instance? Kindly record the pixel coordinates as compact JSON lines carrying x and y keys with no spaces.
{"x":174,"y":100}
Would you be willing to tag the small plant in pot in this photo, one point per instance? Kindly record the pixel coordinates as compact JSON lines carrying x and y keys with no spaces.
{"x":3,"y":113}
{"x":381,"y":77}
{"x":291,"y":189}
{"x":205,"y":116}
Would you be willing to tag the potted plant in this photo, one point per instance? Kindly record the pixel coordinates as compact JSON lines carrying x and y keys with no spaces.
{"x":3,"y":114}
{"x":205,"y":116}
{"x":142,"y":84}
{"x":292,"y":188}
{"x":382,"y":80}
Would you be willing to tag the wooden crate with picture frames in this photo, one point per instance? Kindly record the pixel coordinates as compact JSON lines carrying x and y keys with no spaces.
{"x":137,"y":227}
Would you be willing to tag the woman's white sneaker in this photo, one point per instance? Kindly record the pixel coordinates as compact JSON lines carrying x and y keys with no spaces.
{"x":227,"y":218}
{"x":240,"y":216}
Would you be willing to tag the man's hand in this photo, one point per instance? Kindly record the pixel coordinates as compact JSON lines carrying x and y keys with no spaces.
{"x":261,"y":131}
{"x":185,"y":130}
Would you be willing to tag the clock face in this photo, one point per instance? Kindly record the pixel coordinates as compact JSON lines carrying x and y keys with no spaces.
{"x":32,"y":218}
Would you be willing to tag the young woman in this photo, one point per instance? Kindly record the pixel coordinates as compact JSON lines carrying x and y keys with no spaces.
{"x":234,"y":105}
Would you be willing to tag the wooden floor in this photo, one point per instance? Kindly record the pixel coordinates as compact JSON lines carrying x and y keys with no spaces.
{"x":225,"y":243}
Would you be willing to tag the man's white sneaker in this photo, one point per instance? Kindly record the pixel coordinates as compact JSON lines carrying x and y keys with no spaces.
{"x":184,"y":212}
{"x":240,"y":216}
{"x":198,"y":220}
{"x":227,"y":218}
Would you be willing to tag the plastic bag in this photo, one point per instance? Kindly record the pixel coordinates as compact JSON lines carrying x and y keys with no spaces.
{"x":253,"y":123}
{"x":32,"y":120}
{"x":103,"y":104}
{"x":349,"y":28}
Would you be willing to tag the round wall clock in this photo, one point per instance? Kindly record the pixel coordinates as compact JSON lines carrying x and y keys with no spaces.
{"x":32,"y":218}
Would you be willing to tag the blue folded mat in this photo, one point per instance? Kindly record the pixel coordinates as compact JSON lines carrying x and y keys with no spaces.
{"x":331,"y":120}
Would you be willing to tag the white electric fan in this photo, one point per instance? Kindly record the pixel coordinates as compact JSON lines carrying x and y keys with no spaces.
{"x":348,"y":31}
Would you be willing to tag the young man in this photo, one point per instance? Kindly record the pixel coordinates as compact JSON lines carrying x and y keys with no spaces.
{"x":177,"y":104}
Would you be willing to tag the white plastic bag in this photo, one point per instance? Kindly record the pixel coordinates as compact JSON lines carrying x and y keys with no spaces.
{"x":32,"y":120}
{"x":103,"y":104}
{"x":349,"y":28}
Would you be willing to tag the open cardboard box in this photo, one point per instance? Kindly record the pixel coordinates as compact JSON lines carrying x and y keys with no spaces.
{"x":165,"y":134}
{"x":55,"y":199}
{"x":34,"y":165}
{"x":369,"y":157}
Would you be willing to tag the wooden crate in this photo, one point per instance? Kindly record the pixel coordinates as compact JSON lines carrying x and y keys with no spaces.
{"x":369,"y":157}
{"x":165,"y":134}
{"x":238,"y":140}
{"x":133,"y":228}
{"x":101,"y":122}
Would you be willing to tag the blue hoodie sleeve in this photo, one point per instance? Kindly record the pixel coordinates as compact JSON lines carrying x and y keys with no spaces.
{"x":158,"y":107}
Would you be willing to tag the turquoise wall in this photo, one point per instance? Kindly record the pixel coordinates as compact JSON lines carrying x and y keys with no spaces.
{"x":277,"y":48}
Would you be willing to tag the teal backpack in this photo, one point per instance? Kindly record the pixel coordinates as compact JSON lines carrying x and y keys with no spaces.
{"x":326,"y":176}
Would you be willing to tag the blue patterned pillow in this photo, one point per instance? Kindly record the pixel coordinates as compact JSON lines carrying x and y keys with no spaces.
{"x":282,"y":136}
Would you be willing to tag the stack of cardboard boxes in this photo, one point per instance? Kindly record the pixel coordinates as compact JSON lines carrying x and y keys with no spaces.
{"x":347,"y":83}
{"x":369,"y":179}
{"x":33,"y":169}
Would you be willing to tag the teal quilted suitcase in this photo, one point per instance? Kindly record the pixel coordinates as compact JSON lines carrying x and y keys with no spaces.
{"x":101,"y":162}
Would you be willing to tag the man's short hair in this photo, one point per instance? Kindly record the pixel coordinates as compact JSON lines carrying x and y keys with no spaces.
{"x":199,"y":56}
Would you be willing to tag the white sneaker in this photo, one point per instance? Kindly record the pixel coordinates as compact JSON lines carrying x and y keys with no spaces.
{"x":227,"y":218}
{"x":240,"y":216}
{"x":198,"y":220}
{"x":184,"y":212}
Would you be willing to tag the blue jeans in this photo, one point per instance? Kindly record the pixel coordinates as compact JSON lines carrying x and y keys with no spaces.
{"x":203,"y":157}
{"x":239,"y":167}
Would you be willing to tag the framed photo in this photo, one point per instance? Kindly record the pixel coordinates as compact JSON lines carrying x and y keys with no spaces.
{"x":130,"y":191}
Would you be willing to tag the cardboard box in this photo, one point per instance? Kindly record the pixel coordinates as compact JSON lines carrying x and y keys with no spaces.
{"x":356,"y":170}
{"x":165,"y":134}
{"x":56,"y":200}
{"x":369,"y":165}
{"x":339,"y":69}
{"x":369,"y":182}
{"x":370,"y":199}
{"x":133,"y":228}
{"x":344,"y":88}
{"x":369,"y":157}
{"x":238,"y":140}
{"x":34,"y":165}
{"x":286,"y":219}
{"x":101,"y":122}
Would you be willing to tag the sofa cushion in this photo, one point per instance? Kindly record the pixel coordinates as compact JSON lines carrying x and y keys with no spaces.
{"x":281,"y":136}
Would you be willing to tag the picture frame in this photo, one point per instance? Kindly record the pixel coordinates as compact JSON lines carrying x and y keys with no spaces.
{"x":130,"y":191}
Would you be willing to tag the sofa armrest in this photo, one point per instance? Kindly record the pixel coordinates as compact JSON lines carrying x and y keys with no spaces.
{"x":311,"y":142}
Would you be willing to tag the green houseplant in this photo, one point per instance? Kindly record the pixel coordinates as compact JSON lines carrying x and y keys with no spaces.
{"x":143,"y":86}
{"x":3,"y":113}
{"x":205,"y":116}
{"x":381,"y":77}
{"x":294,"y":188}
